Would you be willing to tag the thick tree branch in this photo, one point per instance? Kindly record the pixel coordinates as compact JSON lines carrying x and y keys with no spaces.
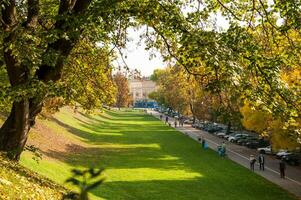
{"x":33,"y":8}
{"x":81,"y":5}
{"x":9,"y":15}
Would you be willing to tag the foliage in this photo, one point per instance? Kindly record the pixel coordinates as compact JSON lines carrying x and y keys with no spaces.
{"x":267,"y":125}
{"x":249,"y":60}
{"x":189,"y":95}
{"x":123,"y":97}
{"x":87,"y":77}
{"x":37,"y":155}
{"x":85,"y":180}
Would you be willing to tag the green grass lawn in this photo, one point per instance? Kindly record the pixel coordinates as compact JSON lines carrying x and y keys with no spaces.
{"x":144,"y":159}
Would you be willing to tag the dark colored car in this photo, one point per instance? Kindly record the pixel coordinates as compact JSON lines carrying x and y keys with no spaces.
{"x":244,"y":141}
{"x":293,"y":159}
{"x":212,"y":129}
{"x":253,"y":144}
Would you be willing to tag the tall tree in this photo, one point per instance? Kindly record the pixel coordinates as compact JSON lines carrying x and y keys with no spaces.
{"x":38,"y":37}
{"x":123,"y":97}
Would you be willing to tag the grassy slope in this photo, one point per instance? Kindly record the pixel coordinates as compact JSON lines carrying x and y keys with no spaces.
{"x":16,"y":182}
{"x":144,"y":159}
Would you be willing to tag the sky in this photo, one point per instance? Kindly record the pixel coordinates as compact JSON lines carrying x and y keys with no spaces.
{"x":136,"y":57}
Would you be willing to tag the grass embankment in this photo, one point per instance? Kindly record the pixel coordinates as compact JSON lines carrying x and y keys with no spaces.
{"x":143,"y":158}
{"x":17,"y":182}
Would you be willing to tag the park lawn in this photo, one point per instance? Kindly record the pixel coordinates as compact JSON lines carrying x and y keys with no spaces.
{"x":145,"y":159}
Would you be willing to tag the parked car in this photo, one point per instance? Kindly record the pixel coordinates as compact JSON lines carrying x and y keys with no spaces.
{"x":245,"y":139}
{"x":213,"y":128}
{"x":236,"y":137}
{"x":253,"y":144}
{"x":188,"y":121}
{"x":227,"y":136}
{"x":281,"y":153}
{"x":293,"y":159}
{"x":265,"y":150}
{"x":221,"y":134}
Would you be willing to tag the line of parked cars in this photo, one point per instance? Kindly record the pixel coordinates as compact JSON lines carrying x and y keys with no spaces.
{"x":248,"y":139}
{"x":244,"y":138}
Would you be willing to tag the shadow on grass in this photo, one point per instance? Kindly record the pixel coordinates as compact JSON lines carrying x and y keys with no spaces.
{"x":181,"y":169}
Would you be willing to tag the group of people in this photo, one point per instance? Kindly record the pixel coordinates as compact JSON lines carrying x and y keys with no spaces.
{"x":181,"y":121}
{"x":261,"y":161}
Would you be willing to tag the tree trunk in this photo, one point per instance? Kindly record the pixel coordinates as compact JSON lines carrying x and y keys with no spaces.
{"x":13,"y":134}
{"x":228,"y":127}
{"x":192,"y":111}
{"x":14,"y":131}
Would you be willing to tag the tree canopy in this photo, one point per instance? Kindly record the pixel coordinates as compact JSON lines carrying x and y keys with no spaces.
{"x":50,"y":46}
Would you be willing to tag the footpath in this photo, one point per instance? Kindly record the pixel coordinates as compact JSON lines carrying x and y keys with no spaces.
{"x":241,"y":154}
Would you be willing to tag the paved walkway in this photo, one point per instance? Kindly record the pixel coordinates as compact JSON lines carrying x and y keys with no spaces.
{"x":240,"y":155}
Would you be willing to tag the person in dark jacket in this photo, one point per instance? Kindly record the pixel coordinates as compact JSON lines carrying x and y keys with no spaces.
{"x":282,"y":168}
{"x":261,"y":160}
{"x":203,"y":142}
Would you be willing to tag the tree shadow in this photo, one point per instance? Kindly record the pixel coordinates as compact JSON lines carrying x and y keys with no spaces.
{"x":181,"y":169}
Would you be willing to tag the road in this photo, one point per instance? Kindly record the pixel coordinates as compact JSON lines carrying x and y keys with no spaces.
{"x":241,"y":154}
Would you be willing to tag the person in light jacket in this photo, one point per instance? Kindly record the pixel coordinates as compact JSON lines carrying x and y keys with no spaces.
{"x":252,"y":162}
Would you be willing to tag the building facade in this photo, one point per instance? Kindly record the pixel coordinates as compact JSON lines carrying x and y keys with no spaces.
{"x":140,"y":89}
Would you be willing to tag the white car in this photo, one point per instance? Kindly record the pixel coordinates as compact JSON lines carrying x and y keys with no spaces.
{"x":282,"y":153}
{"x":188,"y":121}
{"x":265,"y":150}
{"x":221,"y":134}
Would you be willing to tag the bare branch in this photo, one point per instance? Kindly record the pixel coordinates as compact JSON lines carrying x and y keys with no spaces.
{"x":174,"y":56}
{"x":229,"y":10}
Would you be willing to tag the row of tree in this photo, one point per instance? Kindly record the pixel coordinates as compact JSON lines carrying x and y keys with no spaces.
{"x":190,"y":96}
{"x":64,"y":48}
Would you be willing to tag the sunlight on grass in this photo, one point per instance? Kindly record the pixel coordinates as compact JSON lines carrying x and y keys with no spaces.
{"x":145,"y":159}
{"x":149,"y":174}
{"x":131,"y":146}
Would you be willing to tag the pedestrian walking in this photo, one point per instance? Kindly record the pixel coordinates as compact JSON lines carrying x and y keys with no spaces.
{"x":282,"y":168}
{"x":252,"y":162}
{"x":166,"y":119}
{"x":221,"y":149}
{"x":175,"y":123}
{"x":205,"y":145}
{"x":203,"y":142}
{"x":200,"y":139}
{"x":182,"y":121}
{"x":261,"y":160}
